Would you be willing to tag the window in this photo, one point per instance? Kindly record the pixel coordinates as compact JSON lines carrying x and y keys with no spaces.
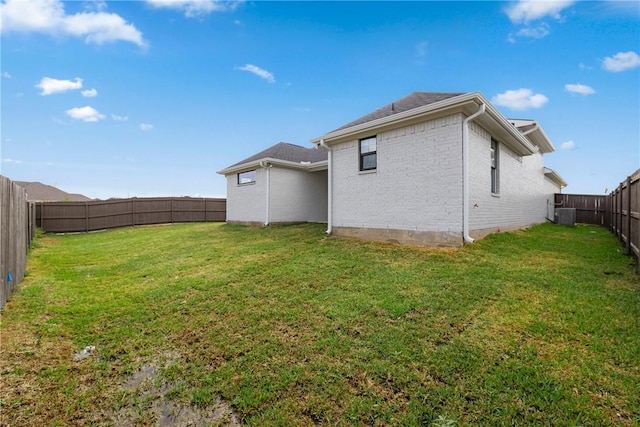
{"x":495,"y":171}
{"x":248,"y":177}
{"x":368,"y":156}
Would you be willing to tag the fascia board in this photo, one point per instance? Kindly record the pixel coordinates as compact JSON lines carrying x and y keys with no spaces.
{"x":395,"y":118}
{"x":239,"y":168}
{"x":318,"y":166}
{"x":543,"y":141}
{"x":275,"y":162}
{"x":520,"y":144}
{"x":555,"y":177}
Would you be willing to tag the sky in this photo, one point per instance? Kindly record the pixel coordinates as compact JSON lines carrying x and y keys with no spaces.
{"x":151,"y":98}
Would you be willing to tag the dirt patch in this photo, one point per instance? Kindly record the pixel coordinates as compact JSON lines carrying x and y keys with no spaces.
{"x":145,"y":401}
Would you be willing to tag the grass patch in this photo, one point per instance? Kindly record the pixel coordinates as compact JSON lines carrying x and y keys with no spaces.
{"x":289,"y":327}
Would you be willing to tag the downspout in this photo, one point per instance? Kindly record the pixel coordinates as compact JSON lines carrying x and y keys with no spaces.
{"x":329,"y":188}
{"x":267,"y":167}
{"x":534,"y":128}
{"x":465,"y":173}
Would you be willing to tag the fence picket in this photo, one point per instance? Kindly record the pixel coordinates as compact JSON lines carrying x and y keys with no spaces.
{"x":69,"y":217}
{"x":619,"y":211}
{"x":16,"y":232}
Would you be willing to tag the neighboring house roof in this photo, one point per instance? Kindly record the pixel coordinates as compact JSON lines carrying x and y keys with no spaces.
{"x":419,"y":106}
{"x":39,"y":192}
{"x":283,"y":154}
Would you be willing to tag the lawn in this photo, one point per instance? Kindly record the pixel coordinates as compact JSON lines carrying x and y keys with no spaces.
{"x":212,"y":324}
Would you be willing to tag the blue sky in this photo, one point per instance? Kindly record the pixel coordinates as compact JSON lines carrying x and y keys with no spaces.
{"x":151,"y":98}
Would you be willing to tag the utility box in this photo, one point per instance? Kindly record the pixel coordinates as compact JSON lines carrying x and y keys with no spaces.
{"x":566,"y":216}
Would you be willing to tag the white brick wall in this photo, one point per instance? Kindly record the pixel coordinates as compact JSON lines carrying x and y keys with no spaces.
{"x":298,"y":196}
{"x":417,"y":184}
{"x":524,"y":191}
{"x":295,"y":196}
{"x":246,"y":203}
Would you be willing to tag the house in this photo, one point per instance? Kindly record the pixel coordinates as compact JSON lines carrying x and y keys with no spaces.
{"x":285,"y":183}
{"x":433,"y":169}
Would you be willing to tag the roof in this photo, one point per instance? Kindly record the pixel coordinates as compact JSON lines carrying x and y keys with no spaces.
{"x":555,"y":177}
{"x":39,"y":192}
{"x":283,"y":154}
{"x":534,"y":133}
{"x":409,"y":102}
{"x":420,"y":106}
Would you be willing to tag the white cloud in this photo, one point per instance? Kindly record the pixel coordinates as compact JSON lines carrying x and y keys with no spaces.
{"x":95,"y":5}
{"x":14,"y":161}
{"x":49,"y":17}
{"x":89,"y":93}
{"x":579,"y":88}
{"x":49,"y":85}
{"x":520,"y":99}
{"x":194,"y":8}
{"x":421,"y":49}
{"x":530,"y":10}
{"x":6,"y":75}
{"x":569,"y":145}
{"x":118,"y":118}
{"x":263,"y":74}
{"x":86,"y":114}
{"x":538,"y":32}
{"x":621,"y":61}
{"x":145,"y":127}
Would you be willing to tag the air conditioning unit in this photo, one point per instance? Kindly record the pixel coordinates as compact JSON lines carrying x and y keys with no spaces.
{"x":566,"y":216}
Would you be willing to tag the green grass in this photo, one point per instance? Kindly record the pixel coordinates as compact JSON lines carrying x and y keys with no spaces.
{"x":539,"y":327}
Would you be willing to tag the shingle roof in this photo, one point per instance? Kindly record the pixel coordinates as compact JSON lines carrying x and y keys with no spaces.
{"x":409,"y":102}
{"x":39,"y":192}
{"x":288,"y":152}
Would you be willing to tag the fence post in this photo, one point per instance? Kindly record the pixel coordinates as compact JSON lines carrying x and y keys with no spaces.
{"x":628,"y":219}
{"x":619,"y":211}
{"x":42,"y":216}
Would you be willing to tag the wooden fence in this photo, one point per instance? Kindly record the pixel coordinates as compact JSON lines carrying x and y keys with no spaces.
{"x":624,"y":219}
{"x":619,"y":211}
{"x":590,"y":209}
{"x":68,"y":217}
{"x":17,"y":229}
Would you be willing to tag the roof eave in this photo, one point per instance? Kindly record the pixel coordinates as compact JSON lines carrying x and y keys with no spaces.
{"x":309,"y":166}
{"x":467,"y":103}
{"x":535,"y":133}
{"x":555,"y":177}
{"x":540,"y":138}
{"x":345,"y":133}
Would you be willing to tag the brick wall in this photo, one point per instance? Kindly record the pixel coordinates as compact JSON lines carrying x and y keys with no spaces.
{"x":417,"y":184}
{"x":247,"y":203}
{"x":295,"y":196}
{"x":525,"y":194}
{"x":298,"y":195}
